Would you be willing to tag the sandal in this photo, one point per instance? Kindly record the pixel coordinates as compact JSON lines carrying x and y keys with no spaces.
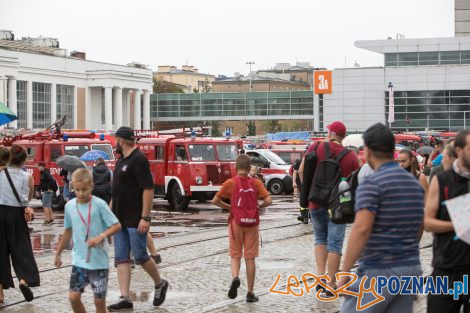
{"x":27,"y":293}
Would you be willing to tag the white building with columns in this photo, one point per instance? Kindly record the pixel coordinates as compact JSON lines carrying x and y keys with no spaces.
{"x":43,"y":84}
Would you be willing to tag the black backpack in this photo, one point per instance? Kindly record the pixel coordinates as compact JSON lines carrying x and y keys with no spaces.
{"x":327,"y":178}
{"x":344,"y":213}
{"x":310,"y":163}
{"x":53,"y":183}
{"x":49,"y":181}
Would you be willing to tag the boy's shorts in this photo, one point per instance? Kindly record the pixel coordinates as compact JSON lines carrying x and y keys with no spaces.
{"x":98,"y":279}
{"x":46,"y":199}
{"x":243,"y":241}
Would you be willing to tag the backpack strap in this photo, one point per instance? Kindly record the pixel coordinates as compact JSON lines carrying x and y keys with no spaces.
{"x":326,"y":146}
{"x":12,"y":186}
{"x":342,"y":154}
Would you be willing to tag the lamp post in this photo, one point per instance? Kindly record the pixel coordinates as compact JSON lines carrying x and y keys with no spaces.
{"x":250,"y":63}
{"x":391,"y":105}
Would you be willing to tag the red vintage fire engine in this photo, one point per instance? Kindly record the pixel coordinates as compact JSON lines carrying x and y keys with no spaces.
{"x":189,"y":168}
{"x":48,"y":145}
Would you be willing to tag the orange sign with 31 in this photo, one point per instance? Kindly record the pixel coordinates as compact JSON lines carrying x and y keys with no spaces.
{"x":323,"y":82}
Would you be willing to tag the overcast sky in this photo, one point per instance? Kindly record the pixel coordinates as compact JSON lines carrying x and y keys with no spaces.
{"x":220,"y":36}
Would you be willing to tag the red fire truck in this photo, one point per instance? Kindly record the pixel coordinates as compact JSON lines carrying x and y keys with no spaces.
{"x":189,"y":168}
{"x":47,"y":146}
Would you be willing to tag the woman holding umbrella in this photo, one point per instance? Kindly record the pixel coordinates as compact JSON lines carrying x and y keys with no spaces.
{"x":15,"y":194}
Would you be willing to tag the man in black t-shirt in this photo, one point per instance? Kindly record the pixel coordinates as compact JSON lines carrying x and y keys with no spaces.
{"x":132,"y":202}
{"x":451,"y":255}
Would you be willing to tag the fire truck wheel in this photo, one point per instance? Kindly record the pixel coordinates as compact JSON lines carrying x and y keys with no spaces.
{"x":276,"y":187}
{"x":179,"y":202}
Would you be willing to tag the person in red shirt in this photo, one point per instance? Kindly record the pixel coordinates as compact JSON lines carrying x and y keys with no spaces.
{"x":329,"y":237}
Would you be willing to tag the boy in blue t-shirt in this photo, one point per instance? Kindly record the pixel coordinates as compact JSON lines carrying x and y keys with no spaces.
{"x":88,"y":221}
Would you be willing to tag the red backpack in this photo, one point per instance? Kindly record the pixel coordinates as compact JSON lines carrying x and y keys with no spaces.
{"x":244,"y":202}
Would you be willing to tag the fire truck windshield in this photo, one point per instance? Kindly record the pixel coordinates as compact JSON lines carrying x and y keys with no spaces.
{"x":227,"y":152}
{"x":106,"y":148}
{"x":201,"y":152}
{"x":273,"y":157}
{"x":77,"y":151}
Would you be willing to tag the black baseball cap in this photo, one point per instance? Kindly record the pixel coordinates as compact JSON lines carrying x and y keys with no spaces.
{"x":125,"y":132}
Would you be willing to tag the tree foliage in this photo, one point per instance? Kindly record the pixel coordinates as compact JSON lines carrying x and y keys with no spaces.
{"x":272,"y":126}
{"x":206,"y":86}
{"x":161,"y":86}
{"x":251,"y":128}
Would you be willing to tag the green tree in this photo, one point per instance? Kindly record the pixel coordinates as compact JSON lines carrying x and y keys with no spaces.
{"x":161,"y":86}
{"x":206,"y":86}
{"x":272,"y":126}
{"x":251,"y":128}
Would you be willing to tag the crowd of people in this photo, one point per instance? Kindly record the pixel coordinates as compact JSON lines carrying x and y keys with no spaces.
{"x":393,"y":203}
{"x":100,"y":205}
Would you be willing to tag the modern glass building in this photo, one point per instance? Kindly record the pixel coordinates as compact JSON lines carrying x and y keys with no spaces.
{"x":431,"y":80}
{"x":232,"y":106}
{"x":432,"y":110}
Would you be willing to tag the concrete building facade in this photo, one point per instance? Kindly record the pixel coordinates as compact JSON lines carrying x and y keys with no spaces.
{"x":462,"y":18}
{"x":188,"y":76}
{"x":257,"y":83}
{"x":41,"y":86}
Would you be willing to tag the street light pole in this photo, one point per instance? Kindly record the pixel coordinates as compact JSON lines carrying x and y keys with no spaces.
{"x":391,"y":105}
{"x":250,"y":63}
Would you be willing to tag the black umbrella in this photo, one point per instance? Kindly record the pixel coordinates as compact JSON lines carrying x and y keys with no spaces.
{"x":425,"y":150}
{"x":70,"y":163}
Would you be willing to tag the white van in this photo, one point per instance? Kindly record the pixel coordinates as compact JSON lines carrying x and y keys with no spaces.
{"x":273,"y":169}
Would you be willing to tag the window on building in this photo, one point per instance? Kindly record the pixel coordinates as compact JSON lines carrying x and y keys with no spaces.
{"x":65,"y":104}
{"x":449,"y":57}
{"x":41,"y":105}
{"x":465,"y":57}
{"x":22,"y":103}
{"x":428,"y":58}
{"x":408,"y":58}
{"x":432,"y":110}
{"x":391,"y":59}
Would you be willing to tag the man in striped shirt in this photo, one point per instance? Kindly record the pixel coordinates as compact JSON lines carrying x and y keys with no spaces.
{"x":389,"y":214}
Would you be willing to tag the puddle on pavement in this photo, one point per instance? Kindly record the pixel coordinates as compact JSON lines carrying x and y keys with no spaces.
{"x":45,"y":239}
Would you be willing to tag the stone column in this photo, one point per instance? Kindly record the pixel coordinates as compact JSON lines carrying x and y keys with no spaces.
{"x":54,"y":103}
{"x":117,"y":107}
{"x":12,"y":99}
{"x":29,"y":105}
{"x":137,"y":118}
{"x":108,"y":108}
{"x":75,"y":107}
{"x":88,"y":106}
{"x":128,"y":107}
{"x":2,"y":90}
{"x":146,"y":109}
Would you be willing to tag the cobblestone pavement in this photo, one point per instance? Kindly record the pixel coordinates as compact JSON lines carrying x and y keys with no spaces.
{"x":197,"y":266}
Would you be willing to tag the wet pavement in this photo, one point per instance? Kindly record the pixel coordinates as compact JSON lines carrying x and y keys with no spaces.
{"x":194,"y":248}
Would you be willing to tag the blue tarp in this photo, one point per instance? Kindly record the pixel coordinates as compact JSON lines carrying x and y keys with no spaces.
{"x":289,"y":136}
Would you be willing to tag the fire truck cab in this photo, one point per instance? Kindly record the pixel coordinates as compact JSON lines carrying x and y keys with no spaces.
{"x":189,"y":168}
{"x":289,"y":153}
{"x":43,"y":147}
